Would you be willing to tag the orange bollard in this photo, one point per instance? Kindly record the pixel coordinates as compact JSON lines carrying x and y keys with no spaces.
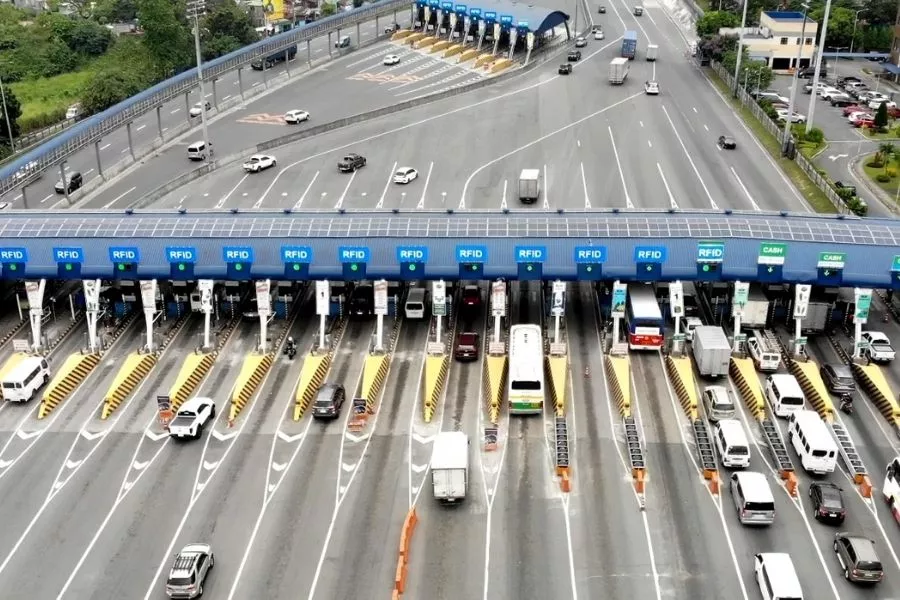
{"x":714,"y":485}
{"x":639,"y":480}
{"x":865,"y":486}
{"x":564,"y":483}
{"x":790,"y":483}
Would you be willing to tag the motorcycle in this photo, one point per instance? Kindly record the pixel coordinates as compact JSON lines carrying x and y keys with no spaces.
{"x":847,"y":405}
{"x":291,"y":352}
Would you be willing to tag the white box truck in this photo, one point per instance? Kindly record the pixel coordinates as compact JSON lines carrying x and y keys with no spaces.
{"x":618,"y":70}
{"x":529,"y":185}
{"x":652,"y":52}
{"x":450,"y":466}
{"x":712,"y":352}
{"x":756,"y":311}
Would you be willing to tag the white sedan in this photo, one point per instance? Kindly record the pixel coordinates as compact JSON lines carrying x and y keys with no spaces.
{"x":797,"y":118}
{"x":405,"y":175}
{"x":197,"y":109}
{"x":259,"y":162}
{"x":874,"y":104}
{"x":391,"y":59}
{"x":296,"y":116}
{"x":598,"y":35}
{"x":651,"y":88}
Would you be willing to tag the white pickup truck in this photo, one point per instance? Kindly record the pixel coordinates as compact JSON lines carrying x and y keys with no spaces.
{"x":879,"y":347}
{"x":192,"y":417}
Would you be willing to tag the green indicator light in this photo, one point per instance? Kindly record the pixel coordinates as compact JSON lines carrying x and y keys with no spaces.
{"x":296,"y":267}
{"x":181,"y":266}
{"x":354,"y":267}
{"x":412,"y":267}
{"x":530,"y":268}
{"x":121,"y":267}
{"x":706,"y":268}
{"x":68,"y":266}
{"x":13,"y":267}
{"x":649,"y":267}
{"x":475,"y":267}
{"x":238,"y":267}
{"x":589,"y":268}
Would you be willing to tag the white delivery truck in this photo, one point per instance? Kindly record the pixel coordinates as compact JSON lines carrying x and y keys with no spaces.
{"x":652,"y":52}
{"x":618,"y":70}
{"x":450,"y":466}
{"x":756,"y":311}
{"x":529,"y":186}
{"x":712,"y":352}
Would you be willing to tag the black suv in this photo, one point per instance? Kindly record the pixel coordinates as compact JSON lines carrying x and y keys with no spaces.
{"x":828,"y":502}
{"x":351,"y":162}
{"x":858,"y":558}
{"x":565,"y":69}
{"x":838,"y":378}
{"x":574,"y":55}
{"x":73,"y":181}
{"x":329,"y":401}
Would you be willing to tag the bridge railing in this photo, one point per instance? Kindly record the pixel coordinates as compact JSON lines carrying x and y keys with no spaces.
{"x":96,"y":127}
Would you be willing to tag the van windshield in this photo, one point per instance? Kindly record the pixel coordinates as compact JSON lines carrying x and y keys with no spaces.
{"x":820,"y":453}
{"x":8,"y":385}
{"x":739,"y":450}
{"x":414,"y":306}
{"x":760,"y":506}
{"x":723,"y":405}
{"x":791,"y":401}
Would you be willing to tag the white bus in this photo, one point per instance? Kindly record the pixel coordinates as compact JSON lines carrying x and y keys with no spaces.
{"x":891,"y":487}
{"x":525,"y":389}
{"x":644,"y":319}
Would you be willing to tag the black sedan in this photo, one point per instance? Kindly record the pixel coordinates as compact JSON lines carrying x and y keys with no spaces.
{"x":828,"y":502}
{"x":601,"y":9}
{"x":574,"y":55}
{"x":73,"y":181}
{"x":726,"y":142}
{"x":565,"y":69}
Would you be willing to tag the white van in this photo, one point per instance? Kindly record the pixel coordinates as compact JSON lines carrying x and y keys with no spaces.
{"x":766,"y":358}
{"x":776,"y":576}
{"x":784,"y":394}
{"x":752,"y":498}
{"x":718,"y":403}
{"x":197,"y":151}
{"x":812,"y":442}
{"x":26,"y":379}
{"x":415,"y":303}
{"x":734,"y":449}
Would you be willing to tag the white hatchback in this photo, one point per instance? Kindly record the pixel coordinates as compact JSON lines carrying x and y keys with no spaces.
{"x":405,"y":175}
{"x":598,"y":35}
{"x":391,"y":59}
{"x":296,"y":116}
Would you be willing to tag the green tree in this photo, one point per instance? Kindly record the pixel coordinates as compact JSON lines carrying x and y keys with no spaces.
{"x":226,"y":28}
{"x":15,"y":111}
{"x":881,"y":116}
{"x":167,"y":37}
{"x":88,"y":37}
{"x":115,"y":11}
{"x":327,"y":9}
{"x":840,"y":25}
{"x":711,"y":22}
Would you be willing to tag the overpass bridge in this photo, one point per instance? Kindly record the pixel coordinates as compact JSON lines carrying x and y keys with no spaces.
{"x":570,"y":245}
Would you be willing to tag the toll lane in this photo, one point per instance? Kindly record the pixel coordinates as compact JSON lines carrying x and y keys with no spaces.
{"x":291,"y":535}
{"x":612,"y":558}
{"x":142,"y":523}
{"x":223,"y":516}
{"x":447,"y":555}
{"x":693,"y":558}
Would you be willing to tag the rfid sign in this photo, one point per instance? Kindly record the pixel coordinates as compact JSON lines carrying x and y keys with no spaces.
{"x":490,"y":16}
{"x":68,"y":261}
{"x":471,"y":261}
{"x":649,"y":261}
{"x":475,"y":12}
{"x":181,"y":261}
{"x":13,"y":261}
{"x":461,"y":9}
{"x":506,"y":19}
{"x":124,"y":260}
{"x":412,"y":261}
{"x":447,"y":5}
{"x":589,"y":261}
{"x":296,"y":261}
{"x":530,"y":261}
{"x":354,"y":260}
{"x":710,"y":256}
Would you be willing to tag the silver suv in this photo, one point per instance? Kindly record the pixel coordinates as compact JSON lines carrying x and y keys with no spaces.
{"x":189,"y":571}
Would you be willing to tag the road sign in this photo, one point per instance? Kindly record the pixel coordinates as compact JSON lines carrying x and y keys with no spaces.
{"x":206,"y":288}
{"x":530,"y":254}
{"x":676,"y":299}
{"x":831,"y":260}
{"x":590,"y":254}
{"x":619,"y":296}
{"x":21,"y":346}
{"x":264,"y":298}
{"x":323,"y":293}
{"x":679,"y":337}
{"x":35,"y":292}
{"x":740,"y":338}
{"x":92,"y":295}
{"x":801,"y":341}
{"x":801,"y":300}
{"x":148,"y":293}
{"x":650,"y":254}
{"x":863,"y":304}
{"x":498,"y":298}
{"x":772,"y":253}
{"x":741,"y":293}
{"x":439,"y":298}
{"x":710,"y":252}
{"x":381,"y":297}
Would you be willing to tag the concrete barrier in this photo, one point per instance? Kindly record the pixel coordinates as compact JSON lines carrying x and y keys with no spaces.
{"x":872,"y":379}
{"x":620,"y":369}
{"x":438,"y":46}
{"x":252,"y":373}
{"x":375,"y":371}
{"x":681,"y":372}
{"x":72,"y":373}
{"x":744,"y":374}
{"x":453,"y":50}
{"x":500,"y":65}
{"x":807,"y":374}
{"x":558,"y":370}
{"x":468,"y":55}
{"x":436,"y":368}
{"x":494,"y":380}
{"x":131,"y":373}
{"x":425,"y":43}
{"x":399,"y":35}
{"x":484,"y":59}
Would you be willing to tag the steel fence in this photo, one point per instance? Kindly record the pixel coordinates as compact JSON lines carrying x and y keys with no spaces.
{"x":96,"y":127}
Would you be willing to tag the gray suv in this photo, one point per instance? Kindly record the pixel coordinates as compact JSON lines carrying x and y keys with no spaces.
{"x":838,"y":378}
{"x":858,"y":558}
{"x":189,"y":571}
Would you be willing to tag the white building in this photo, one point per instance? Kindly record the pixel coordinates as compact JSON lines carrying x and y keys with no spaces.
{"x":776,"y":39}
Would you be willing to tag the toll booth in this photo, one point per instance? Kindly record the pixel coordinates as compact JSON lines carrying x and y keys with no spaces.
{"x":285,"y":295}
{"x":178,"y":299}
{"x":780,"y":299}
{"x":229,"y":298}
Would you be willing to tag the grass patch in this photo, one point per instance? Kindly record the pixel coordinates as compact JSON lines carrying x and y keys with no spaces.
{"x":890,"y":187}
{"x":51,"y":95}
{"x":813,"y":195}
{"x":893,"y":135}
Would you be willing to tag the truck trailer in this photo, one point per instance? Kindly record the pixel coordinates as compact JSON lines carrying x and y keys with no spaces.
{"x":756,"y":311}
{"x":629,"y":44}
{"x":712,"y":352}
{"x":618,"y":71}
{"x":450,"y":466}
{"x":529,"y":186}
{"x":652,"y":52}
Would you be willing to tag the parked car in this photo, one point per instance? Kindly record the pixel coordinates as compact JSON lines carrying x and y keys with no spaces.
{"x":852,"y":108}
{"x":876,"y":104}
{"x":795,"y":118}
{"x":848,"y":189}
{"x":828,"y":502}
{"x":841,"y":100}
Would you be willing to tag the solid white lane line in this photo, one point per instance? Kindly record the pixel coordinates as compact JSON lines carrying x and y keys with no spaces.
{"x":587,"y":198}
{"x":222,"y":202}
{"x":306,"y":191}
{"x":612,"y":140}
{"x":386,"y":186}
{"x":712,"y":202}
{"x":672,"y":203}
{"x":746,"y":191}
{"x":340,"y":202}
{"x":421,"y":203}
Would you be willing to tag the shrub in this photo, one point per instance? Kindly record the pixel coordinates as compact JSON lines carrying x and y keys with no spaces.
{"x":845,"y":194}
{"x":815,"y":136}
{"x":890,"y":172}
{"x":883,"y":178}
{"x":857,"y":206}
{"x":875,"y":163}
{"x":41,"y":120}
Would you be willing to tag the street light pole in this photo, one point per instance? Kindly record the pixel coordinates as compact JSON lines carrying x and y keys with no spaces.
{"x":12,"y":143}
{"x":196,"y":7}
{"x":794,"y":80}
{"x":853,"y":35}
{"x":815,"y":82}
{"x":740,"y":49}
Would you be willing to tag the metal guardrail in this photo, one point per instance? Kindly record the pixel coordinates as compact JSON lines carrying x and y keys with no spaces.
{"x":95,"y":128}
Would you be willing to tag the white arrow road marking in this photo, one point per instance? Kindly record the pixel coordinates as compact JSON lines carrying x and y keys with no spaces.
{"x":834,"y":157}
{"x":92,"y":436}
{"x":423,"y":439}
{"x":58,"y":484}
{"x":290,"y":439}
{"x":271,"y":487}
{"x":140,"y":465}
{"x":5,"y":463}
{"x":343,"y":490}
{"x":209,"y":466}
{"x":491,"y":469}
{"x":155,"y":436}
{"x":356,"y":438}
{"x":415,"y":489}
{"x":27,"y":435}
{"x":200,"y":487}
{"x":348,"y":467}
{"x":223,"y":437}
{"x":418,"y":468}
{"x":73,"y":464}
{"x":278,"y":467}
{"x":127,"y":486}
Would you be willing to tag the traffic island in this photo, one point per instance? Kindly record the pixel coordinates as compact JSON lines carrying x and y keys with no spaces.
{"x":744,"y":374}
{"x":73,"y":372}
{"x":130,"y":375}
{"x":494,"y":380}
{"x":312,"y":376}
{"x":807,"y":374}
{"x":872,"y":379}
{"x":253,"y":371}
{"x":374,"y":373}
{"x":467,"y":55}
{"x":436,"y":368}
{"x":558,"y":368}
{"x":681,"y":373}
{"x":620,"y":369}
{"x":193,"y":371}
